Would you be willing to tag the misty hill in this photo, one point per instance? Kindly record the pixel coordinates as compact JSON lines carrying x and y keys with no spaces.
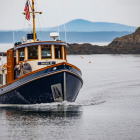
{"x":80,"y":25}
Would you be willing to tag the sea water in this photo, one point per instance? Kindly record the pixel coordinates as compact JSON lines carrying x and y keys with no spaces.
{"x":107,"y":107}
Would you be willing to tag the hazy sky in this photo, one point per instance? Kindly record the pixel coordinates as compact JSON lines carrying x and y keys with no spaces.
{"x":116,"y":11}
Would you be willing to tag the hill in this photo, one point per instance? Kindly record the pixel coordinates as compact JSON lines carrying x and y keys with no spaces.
{"x":80,"y":25}
{"x":127,"y":40}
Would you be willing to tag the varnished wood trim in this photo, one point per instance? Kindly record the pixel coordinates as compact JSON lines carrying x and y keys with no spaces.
{"x":65,"y":58}
{"x":40,"y":41}
{"x":62,"y":52}
{"x":42,"y":77}
{"x":10,"y":65}
{"x":37,"y":50}
{"x":41,"y":70}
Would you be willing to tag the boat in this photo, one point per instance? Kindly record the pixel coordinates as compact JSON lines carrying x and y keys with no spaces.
{"x":52,"y":79}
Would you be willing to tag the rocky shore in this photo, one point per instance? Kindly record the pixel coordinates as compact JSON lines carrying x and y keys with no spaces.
{"x":129,"y":44}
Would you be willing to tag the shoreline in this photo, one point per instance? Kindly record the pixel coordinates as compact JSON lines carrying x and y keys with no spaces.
{"x":89,"y":49}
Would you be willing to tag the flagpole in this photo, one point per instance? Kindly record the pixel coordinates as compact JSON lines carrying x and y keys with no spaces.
{"x":33,"y":20}
{"x":28,"y":17}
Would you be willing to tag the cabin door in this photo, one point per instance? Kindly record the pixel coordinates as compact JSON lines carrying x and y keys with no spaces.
{"x":10,"y":66}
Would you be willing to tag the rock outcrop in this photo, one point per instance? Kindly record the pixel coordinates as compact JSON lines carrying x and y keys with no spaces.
{"x":129,"y":44}
{"x":127,"y":40}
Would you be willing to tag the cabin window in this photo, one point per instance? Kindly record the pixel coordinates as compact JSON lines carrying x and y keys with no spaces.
{"x":1,"y":79}
{"x":46,"y":51}
{"x":32,"y":52}
{"x":21,"y":54}
{"x":58,"y":52}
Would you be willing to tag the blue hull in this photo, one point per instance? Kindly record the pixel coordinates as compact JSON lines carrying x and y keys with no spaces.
{"x":55,"y":84}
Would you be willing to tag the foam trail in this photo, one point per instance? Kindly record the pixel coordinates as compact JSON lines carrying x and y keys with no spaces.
{"x":56,"y":106}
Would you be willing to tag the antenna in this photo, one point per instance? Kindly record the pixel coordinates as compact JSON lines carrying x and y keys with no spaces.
{"x":30,"y":28}
{"x":64,"y":22}
{"x":12,"y":22}
{"x":58,"y":28}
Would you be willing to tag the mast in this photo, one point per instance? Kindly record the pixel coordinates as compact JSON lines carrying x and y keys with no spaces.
{"x":33,"y":10}
{"x":33,"y":13}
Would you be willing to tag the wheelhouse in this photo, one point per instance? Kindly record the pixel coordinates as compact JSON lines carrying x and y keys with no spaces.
{"x":38,"y":54}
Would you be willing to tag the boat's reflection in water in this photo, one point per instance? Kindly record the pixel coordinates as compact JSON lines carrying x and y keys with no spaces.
{"x":43,"y":110}
{"x":38,"y":121}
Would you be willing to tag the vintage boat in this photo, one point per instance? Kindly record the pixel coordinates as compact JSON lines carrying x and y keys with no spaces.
{"x":52,"y":79}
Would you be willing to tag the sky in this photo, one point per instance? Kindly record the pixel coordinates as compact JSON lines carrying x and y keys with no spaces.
{"x":56,"y":12}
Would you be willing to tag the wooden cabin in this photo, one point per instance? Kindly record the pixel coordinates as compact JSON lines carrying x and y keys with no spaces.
{"x":38,"y":54}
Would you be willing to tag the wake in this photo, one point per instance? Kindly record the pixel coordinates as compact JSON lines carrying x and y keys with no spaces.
{"x":57,"y":106}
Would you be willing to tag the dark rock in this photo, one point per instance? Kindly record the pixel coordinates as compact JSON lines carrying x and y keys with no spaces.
{"x":129,"y":44}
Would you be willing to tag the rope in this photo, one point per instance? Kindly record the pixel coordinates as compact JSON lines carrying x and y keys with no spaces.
{"x":64,"y":22}
{"x":30,"y":5}
{"x":39,"y":23}
{"x":40,"y":27}
{"x":12,"y":22}
{"x":41,"y":17}
{"x":23,"y":28}
{"x":58,"y":28}
{"x":29,"y":26}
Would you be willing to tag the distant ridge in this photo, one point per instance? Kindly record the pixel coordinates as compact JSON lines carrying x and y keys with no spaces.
{"x":77,"y":31}
{"x":80,"y":25}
